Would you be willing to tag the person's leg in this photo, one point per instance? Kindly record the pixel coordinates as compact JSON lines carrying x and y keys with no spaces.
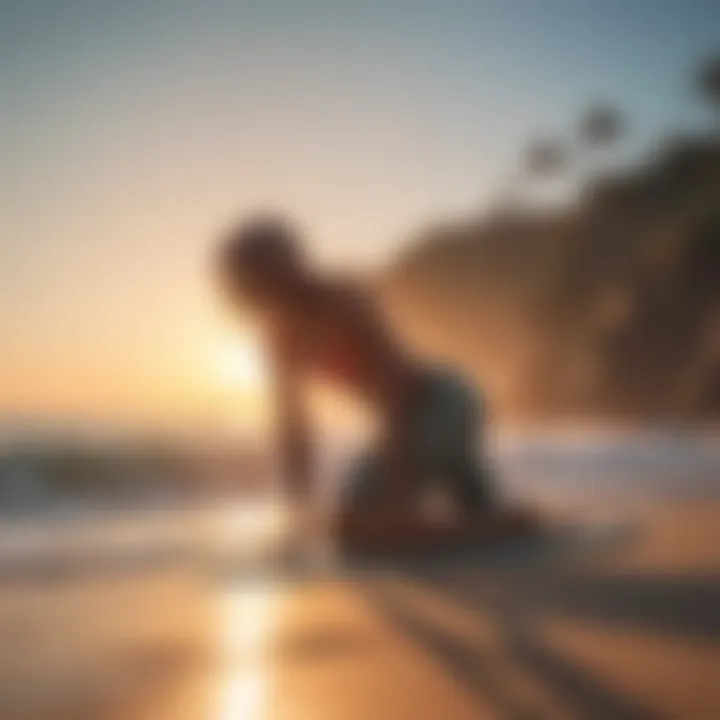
{"x":472,"y":486}
{"x":367,"y":517}
{"x":447,"y":448}
{"x":453,"y":424}
{"x":363,"y":485}
{"x":472,"y":476}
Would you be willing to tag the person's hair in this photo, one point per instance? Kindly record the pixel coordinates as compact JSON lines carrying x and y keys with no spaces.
{"x":265,"y":244}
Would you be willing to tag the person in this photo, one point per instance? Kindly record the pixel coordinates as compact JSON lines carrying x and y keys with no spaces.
{"x":314,"y":325}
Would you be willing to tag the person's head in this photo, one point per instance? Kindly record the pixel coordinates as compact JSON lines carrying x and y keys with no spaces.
{"x":261,"y":263}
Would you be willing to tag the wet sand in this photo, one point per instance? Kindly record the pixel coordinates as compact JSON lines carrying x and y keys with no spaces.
{"x":630,"y":630}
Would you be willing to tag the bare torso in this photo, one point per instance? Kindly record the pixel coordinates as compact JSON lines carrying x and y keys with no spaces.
{"x":336,"y":335}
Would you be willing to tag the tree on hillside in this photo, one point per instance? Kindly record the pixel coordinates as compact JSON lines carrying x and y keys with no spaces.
{"x":599,"y":127}
{"x":708,"y":84}
{"x":543,"y":159}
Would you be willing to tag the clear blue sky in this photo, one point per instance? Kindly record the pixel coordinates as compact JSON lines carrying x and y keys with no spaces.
{"x":133,"y":129}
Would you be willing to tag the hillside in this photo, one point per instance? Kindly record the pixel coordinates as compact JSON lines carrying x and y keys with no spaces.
{"x":609,"y":307}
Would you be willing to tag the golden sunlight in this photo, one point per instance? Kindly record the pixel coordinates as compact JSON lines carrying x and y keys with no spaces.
{"x":240,"y":364}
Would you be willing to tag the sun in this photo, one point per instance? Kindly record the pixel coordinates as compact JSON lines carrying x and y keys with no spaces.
{"x":240,"y":364}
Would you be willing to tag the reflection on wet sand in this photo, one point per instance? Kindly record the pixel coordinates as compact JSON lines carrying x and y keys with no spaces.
{"x":248,"y":620}
{"x":629,"y":630}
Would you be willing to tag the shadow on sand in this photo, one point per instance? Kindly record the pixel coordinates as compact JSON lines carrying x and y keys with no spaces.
{"x":518,"y":600}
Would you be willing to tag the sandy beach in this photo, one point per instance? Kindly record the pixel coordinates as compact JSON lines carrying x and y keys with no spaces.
{"x":622,"y":629}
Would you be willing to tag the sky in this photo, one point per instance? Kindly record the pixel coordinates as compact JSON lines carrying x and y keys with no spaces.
{"x":133,"y":132}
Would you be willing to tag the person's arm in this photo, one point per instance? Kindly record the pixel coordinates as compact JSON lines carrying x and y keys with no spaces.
{"x":294,"y":442}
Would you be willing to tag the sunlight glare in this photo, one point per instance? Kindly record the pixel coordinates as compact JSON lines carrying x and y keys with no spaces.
{"x":249,"y":616}
{"x":240,"y":364}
